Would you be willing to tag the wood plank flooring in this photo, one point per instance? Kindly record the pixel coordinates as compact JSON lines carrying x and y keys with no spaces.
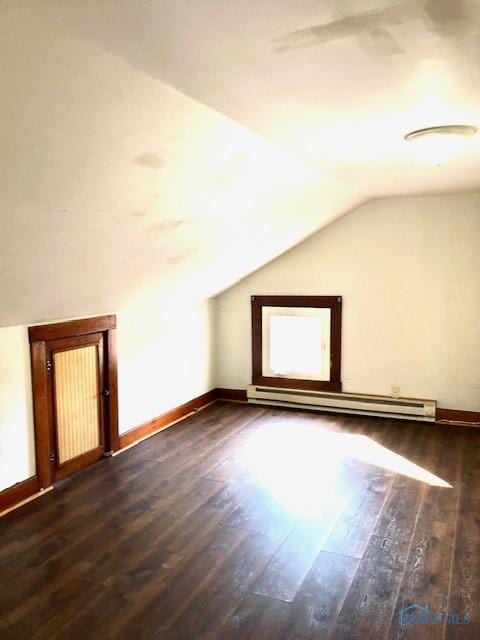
{"x":243,"y":522}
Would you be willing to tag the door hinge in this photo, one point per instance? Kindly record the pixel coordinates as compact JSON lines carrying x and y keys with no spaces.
{"x":52,"y":456}
{"x":106,"y":393}
{"x":48,"y":365}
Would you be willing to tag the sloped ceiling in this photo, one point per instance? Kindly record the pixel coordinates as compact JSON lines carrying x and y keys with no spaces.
{"x":154,"y":148}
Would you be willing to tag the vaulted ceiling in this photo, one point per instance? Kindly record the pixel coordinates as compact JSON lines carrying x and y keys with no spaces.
{"x":155,"y":147}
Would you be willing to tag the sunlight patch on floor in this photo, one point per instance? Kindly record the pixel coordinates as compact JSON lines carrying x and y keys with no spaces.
{"x":301,"y":465}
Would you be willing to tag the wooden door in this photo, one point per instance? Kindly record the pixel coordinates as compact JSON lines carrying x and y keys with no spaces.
{"x":74,"y":394}
{"x":76,"y":390}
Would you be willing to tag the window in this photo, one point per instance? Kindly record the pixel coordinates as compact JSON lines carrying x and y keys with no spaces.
{"x":296,"y":341}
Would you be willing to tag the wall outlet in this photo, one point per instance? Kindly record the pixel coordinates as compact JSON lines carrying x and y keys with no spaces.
{"x":395,"y":392}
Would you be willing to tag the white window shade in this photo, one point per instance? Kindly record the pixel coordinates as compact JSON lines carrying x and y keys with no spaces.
{"x":296,"y":343}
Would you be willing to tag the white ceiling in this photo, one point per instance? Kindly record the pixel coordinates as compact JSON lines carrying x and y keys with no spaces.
{"x":153,"y":146}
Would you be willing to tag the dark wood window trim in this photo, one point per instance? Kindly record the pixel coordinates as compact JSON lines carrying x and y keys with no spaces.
{"x":334,"y":303}
{"x":38,"y":337}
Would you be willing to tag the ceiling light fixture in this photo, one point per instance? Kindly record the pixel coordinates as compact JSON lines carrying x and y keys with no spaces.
{"x":439,"y":144}
{"x":465,"y":130}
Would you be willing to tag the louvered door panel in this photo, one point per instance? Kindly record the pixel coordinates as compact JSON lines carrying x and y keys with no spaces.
{"x":77,"y":401}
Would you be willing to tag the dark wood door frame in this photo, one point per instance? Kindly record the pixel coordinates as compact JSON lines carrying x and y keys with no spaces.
{"x":38,"y":337}
{"x":54,"y":347}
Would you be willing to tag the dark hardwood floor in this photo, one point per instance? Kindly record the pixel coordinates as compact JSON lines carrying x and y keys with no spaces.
{"x":252,"y":523}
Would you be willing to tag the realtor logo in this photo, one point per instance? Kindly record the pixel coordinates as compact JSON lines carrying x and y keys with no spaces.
{"x":416,"y":614}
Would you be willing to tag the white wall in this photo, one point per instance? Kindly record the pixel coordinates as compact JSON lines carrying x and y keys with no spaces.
{"x":408,"y":270}
{"x":17,"y":454}
{"x":165,"y":357}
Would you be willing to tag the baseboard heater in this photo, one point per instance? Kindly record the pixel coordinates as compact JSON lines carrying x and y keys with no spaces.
{"x":355,"y":403}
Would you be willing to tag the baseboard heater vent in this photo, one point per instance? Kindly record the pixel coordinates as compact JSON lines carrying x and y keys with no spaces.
{"x":355,"y":403}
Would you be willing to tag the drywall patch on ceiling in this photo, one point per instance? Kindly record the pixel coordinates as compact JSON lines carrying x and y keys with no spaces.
{"x":176,"y":259}
{"x":377,"y":23}
{"x":148,"y":160}
{"x":385,"y":42}
{"x":165,"y":225}
{"x":445,"y":18}
{"x":451,"y":18}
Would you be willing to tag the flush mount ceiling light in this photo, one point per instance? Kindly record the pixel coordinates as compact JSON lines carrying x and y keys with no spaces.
{"x":439,"y":144}
{"x":465,"y":130}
